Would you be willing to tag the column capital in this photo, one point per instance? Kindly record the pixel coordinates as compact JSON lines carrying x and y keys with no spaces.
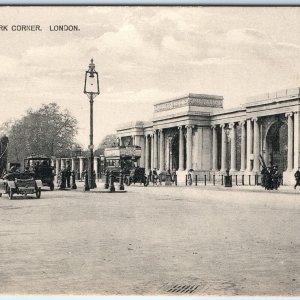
{"x":231,"y":125}
{"x":222,"y":125}
{"x":214,"y":126}
{"x":254,"y":119}
{"x":242,"y":123}
{"x":189,"y":126}
{"x":160,"y":131}
{"x":180,"y":127}
{"x":289,"y":114}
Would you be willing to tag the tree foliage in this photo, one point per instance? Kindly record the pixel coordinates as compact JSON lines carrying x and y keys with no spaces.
{"x":47,"y":131}
{"x":110,"y":140}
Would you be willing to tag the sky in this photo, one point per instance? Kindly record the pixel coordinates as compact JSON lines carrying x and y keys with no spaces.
{"x":144,"y":55}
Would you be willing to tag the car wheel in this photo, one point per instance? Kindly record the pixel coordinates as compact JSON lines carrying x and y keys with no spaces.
{"x":38,"y":193}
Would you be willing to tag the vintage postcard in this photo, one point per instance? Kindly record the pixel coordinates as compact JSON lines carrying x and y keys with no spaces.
{"x":150,"y":150}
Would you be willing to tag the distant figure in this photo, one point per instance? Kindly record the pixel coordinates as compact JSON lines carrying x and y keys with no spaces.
{"x":173,"y":175}
{"x":297,"y":178}
{"x":62,"y":179}
{"x":150,"y":175}
{"x":154,"y":175}
{"x":68,"y":175}
{"x":190,"y":177}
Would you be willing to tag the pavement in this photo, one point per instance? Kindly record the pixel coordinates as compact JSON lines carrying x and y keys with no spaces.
{"x":164,"y":240}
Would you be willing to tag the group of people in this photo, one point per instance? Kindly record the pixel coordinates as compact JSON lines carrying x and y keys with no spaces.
{"x":153,"y":175}
{"x":270,"y":177}
{"x":64,"y":177}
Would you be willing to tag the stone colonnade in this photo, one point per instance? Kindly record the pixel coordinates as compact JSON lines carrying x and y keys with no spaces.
{"x":251,"y":145}
{"x":154,"y":146}
{"x":79,"y":164}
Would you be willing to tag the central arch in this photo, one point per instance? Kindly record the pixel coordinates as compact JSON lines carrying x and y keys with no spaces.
{"x":174,"y":152}
{"x":277,"y":145}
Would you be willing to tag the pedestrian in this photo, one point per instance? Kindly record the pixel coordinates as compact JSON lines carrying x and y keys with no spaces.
{"x":68,"y":175}
{"x":154,"y":174}
{"x":173,"y":175}
{"x":190,"y":177}
{"x":62,"y":178}
{"x":150,"y":176}
{"x":297,"y":178}
{"x":275,"y":177}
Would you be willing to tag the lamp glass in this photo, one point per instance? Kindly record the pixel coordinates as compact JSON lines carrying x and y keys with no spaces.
{"x":91,"y":83}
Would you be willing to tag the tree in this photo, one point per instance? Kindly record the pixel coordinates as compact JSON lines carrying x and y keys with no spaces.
{"x":110,"y":140}
{"x":47,"y":131}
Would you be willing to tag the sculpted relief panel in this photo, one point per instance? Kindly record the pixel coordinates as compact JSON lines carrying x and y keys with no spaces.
{"x":202,"y":102}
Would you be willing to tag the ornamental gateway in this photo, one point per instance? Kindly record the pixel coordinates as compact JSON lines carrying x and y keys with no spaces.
{"x":195,"y":132}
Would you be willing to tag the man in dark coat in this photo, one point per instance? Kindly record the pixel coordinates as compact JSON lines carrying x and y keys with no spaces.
{"x":297,"y":177}
{"x":68,"y":175}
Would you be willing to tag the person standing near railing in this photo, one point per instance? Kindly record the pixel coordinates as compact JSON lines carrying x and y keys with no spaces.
{"x":297,"y":178}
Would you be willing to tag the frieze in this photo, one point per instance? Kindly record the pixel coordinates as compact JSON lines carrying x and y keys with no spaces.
{"x":199,"y":101}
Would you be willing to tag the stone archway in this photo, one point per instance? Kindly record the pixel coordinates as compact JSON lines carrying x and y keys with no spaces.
{"x":277,"y":145}
{"x":174,"y":151}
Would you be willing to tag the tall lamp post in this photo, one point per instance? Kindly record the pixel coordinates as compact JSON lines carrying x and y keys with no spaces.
{"x":91,"y":89}
{"x":228,"y":178}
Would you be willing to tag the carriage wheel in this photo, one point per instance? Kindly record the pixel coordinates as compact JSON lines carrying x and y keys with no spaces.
{"x":127,"y":180}
{"x":51,"y":186}
{"x":38,"y":193}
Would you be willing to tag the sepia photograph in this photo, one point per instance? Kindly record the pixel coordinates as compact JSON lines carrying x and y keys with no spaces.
{"x":150,"y":150}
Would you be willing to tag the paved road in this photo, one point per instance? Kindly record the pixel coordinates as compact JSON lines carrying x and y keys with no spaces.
{"x":154,"y":240}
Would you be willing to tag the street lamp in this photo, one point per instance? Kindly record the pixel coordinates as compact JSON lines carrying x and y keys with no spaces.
{"x":228,"y":178}
{"x":91,"y":89}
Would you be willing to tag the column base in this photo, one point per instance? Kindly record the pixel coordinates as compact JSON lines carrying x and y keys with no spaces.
{"x":288,"y":177}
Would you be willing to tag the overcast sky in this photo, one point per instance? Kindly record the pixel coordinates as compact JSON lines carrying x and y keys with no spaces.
{"x":144,"y":55}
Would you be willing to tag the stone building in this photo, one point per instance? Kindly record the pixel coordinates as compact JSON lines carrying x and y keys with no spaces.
{"x":195,"y":132}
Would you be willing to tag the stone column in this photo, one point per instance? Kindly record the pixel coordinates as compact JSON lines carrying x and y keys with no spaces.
{"x":249,"y":144}
{"x":155,"y":146}
{"x":255,"y":145}
{"x":63,"y":163}
{"x":147,"y":154}
{"x":233,"y":148}
{"x":52,"y":162}
{"x":152,"y":151}
{"x":96,"y":169}
{"x":223,"y":149}
{"x":189,"y":145}
{"x":161,"y":150}
{"x":290,"y":153}
{"x":81,"y":165}
{"x":73,"y":164}
{"x":243,"y":146}
{"x":214,"y":148}
{"x":181,"y":149}
{"x":58,"y":160}
{"x":142,"y":160}
{"x":296,"y":140}
{"x":167,"y":152}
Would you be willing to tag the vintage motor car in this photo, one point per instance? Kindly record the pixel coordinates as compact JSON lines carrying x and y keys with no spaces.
{"x":41,"y":166}
{"x":22,"y":183}
{"x":136,"y":175}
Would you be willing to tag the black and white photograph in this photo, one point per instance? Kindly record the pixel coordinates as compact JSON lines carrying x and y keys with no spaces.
{"x":150,"y":150}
